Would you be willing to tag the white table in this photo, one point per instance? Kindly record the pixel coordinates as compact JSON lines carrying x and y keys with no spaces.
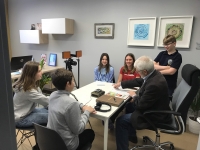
{"x":83,"y":95}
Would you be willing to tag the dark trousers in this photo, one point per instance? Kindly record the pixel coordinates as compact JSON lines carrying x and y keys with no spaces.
{"x":171,"y":90}
{"x":114,"y":116}
{"x":124,"y":129}
{"x":86,"y":137}
{"x":130,"y":107}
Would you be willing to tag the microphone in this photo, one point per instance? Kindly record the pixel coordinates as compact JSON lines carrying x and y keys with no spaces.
{"x":169,"y":62}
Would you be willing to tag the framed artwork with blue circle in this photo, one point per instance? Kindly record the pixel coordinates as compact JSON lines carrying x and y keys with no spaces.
{"x":52,"y":59}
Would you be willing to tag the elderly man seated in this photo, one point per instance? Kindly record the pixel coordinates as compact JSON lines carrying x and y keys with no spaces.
{"x":152,"y":95}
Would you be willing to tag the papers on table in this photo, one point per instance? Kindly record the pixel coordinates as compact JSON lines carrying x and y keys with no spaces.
{"x":100,"y":83}
{"x":127,"y":89}
{"x":118,"y":93}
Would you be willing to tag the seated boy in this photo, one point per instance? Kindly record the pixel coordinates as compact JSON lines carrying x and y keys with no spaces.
{"x":65,"y":115}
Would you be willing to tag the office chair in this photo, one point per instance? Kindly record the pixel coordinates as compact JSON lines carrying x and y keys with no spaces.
{"x":181,"y":101}
{"x":48,"y":139}
{"x":26,"y":133}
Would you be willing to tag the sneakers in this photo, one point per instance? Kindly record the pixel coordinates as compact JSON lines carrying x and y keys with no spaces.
{"x":110,"y":125}
{"x":133,"y":139}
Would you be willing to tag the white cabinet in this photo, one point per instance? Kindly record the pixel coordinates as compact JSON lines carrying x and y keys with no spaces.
{"x":33,"y":37}
{"x":58,"y":26}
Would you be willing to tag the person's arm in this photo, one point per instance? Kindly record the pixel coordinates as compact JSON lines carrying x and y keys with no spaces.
{"x":160,"y":68}
{"x":137,"y":82}
{"x":96,"y":71}
{"x":111,"y":75}
{"x":75,"y":120}
{"x":148,"y":98}
{"x":37,"y":97}
{"x":169,"y":71}
{"x":176,"y":62}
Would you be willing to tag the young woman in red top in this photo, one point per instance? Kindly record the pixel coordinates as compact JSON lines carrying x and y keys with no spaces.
{"x":127,"y":72}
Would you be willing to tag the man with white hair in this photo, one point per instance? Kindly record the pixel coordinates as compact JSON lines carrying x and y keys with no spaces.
{"x":152,"y":95}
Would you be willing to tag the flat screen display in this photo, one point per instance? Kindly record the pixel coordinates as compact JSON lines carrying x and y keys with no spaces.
{"x":52,"y":59}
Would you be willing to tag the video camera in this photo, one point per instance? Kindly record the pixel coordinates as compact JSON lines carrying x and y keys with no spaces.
{"x":69,"y":62}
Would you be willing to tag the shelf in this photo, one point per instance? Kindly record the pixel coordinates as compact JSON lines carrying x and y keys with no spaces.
{"x":33,"y":37}
{"x":58,"y":26}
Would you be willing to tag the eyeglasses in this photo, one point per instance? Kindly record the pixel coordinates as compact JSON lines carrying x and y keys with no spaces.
{"x":168,"y":44}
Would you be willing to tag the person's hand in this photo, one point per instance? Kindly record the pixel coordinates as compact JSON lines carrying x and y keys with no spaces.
{"x":89,"y":108}
{"x":131,"y":93}
{"x":117,"y":85}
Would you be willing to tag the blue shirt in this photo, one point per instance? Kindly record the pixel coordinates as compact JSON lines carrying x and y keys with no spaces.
{"x":102,"y":75}
{"x":173,"y":60}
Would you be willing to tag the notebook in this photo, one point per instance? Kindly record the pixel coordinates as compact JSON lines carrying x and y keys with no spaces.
{"x":112,"y":100}
{"x":18,"y":62}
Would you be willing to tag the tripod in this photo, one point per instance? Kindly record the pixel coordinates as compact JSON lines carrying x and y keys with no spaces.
{"x":69,"y":67}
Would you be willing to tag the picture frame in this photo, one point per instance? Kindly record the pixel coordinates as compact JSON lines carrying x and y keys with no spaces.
{"x":179,"y":26}
{"x":141,"y":31}
{"x":52,"y":59}
{"x":104,"y":30}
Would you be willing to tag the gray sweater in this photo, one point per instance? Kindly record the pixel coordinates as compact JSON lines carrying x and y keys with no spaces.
{"x":65,"y":117}
{"x":25,"y":102}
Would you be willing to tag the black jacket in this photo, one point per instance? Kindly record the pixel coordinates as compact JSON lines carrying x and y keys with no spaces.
{"x":153,"y":95}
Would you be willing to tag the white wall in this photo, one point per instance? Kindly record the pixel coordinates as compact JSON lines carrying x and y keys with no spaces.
{"x":22,"y":13}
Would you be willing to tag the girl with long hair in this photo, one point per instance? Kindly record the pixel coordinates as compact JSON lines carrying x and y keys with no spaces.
{"x":104,"y":71}
{"x":127,"y":72}
{"x":27,"y":95}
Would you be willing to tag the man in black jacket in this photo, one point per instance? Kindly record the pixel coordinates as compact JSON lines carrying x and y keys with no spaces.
{"x":152,"y":95}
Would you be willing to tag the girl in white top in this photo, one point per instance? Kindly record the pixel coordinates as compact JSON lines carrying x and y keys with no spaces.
{"x":27,"y":95}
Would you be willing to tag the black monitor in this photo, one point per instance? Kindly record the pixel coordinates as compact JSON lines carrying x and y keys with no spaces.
{"x":18,"y":62}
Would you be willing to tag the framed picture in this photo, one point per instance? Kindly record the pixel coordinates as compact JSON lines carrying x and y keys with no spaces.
{"x":104,"y":30}
{"x":141,"y":31}
{"x":179,"y":26}
{"x":52,"y":59}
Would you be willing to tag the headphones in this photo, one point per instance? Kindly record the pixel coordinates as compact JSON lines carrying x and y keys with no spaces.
{"x":98,"y":107}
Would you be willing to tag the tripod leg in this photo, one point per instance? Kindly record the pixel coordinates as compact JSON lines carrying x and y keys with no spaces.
{"x":74,"y":80}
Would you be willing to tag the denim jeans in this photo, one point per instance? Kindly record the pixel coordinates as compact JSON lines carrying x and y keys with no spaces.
{"x":124,"y":129}
{"x":38,"y":115}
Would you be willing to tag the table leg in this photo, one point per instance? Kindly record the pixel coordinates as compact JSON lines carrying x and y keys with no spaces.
{"x":105,"y":133}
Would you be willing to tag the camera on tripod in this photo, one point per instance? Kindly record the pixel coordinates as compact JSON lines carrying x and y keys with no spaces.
{"x":70,"y":62}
